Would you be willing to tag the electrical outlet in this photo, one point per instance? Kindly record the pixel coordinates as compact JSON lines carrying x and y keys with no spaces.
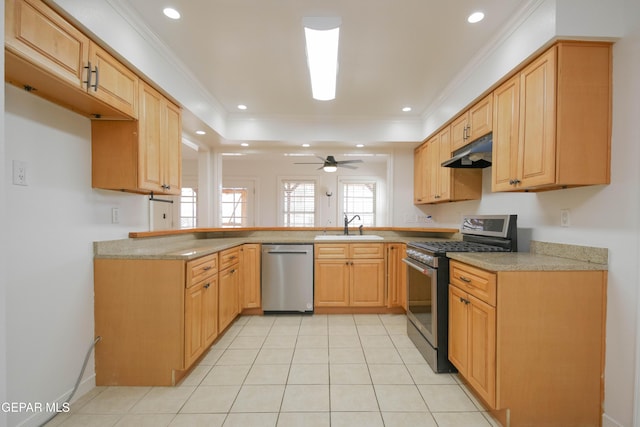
{"x":19,"y":172}
{"x":565,"y":218}
{"x":115,"y":215}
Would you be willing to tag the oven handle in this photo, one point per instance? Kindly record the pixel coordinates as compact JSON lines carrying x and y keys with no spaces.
{"x":421,"y":268}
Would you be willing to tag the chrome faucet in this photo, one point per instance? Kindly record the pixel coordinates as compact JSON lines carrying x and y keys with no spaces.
{"x":347,"y":221}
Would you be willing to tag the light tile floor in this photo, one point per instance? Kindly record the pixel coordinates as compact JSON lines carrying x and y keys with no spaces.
{"x":296,"y":370}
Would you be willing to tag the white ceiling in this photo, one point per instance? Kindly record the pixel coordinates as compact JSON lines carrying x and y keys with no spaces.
{"x":392,"y":53}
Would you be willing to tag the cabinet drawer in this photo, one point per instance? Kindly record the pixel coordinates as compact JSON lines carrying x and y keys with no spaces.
{"x":332,"y":250}
{"x":477,"y":282}
{"x":367,"y":250}
{"x":229,"y":257}
{"x":201,"y":268}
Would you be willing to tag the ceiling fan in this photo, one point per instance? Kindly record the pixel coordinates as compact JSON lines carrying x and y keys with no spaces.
{"x":330,"y":164}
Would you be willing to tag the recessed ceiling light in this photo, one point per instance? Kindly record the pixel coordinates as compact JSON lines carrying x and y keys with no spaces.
{"x":242,"y":107}
{"x":306,"y":145}
{"x":201,"y":132}
{"x":244,"y":144}
{"x":406,"y":109}
{"x":359,"y":145}
{"x":475,"y":17}
{"x":171,"y":13}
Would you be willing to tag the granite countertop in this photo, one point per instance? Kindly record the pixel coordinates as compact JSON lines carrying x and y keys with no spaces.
{"x":189,"y":247}
{"x":543,"y":256}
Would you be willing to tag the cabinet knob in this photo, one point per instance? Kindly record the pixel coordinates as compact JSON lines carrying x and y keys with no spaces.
{"x":207,"y":285}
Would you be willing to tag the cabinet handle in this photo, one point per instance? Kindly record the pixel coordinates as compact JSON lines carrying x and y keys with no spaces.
{"x":95,"y":85}
{"x":89,"y":72}
{"x":465,"y":301}
{"x":514,"y":181}
{"x":207,"y":268}
{"x":465,"y":279}
{"x":207,"y":285}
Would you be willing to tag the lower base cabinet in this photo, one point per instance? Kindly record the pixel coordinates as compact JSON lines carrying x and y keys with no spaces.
{"x":157,"y":317}
{"x":530,"y":344}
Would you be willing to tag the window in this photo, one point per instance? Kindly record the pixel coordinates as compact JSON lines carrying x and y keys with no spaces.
{"x":188,"y":199}
{"x":359,"y":198}
{"x":299,"y":203}
{"x":234,"y":207}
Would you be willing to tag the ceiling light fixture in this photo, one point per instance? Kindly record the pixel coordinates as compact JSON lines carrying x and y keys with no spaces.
{"x":306,"y":145}
{"x":322,"y":35}
{"x":170,"y":12}
{"x":330,"y":168}
{"x":242,"y":107}
{"x":475,"y":17}
{"x":406,"y":109}
{"x":201,"y":132}
{"x":244,"y":144}
{"x":359,"y":145}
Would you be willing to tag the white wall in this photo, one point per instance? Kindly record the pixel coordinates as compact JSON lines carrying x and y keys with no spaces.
{"x":266,"y":170}
{"x":49,"y":229}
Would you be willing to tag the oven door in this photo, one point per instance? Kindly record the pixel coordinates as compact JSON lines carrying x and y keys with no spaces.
{"x":422,"y":295}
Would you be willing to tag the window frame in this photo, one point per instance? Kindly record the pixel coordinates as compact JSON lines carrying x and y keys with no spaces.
{"x":281,"y":199}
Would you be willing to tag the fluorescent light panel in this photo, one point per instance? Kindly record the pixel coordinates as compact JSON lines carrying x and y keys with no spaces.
{"x":322,"y":35}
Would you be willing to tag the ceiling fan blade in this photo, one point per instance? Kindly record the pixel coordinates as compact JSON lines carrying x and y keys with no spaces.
{"x":315,"y":163}
{"x":321,"y":158}
{"x":350,"y":161}
{"x":341,"y":165}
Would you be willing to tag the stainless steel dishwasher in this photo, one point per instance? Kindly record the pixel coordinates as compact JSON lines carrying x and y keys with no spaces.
{"x":287,"y":277}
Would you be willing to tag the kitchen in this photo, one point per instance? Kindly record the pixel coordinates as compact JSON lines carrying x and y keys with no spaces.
{"x":50,"y":306}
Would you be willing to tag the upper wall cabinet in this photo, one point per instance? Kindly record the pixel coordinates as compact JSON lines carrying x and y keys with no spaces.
{"x":552,"y":121}
{"x":434,"y":183}
{"x":141,"y":156}
{"x":473,"y":123}
{"x":48,"y":56}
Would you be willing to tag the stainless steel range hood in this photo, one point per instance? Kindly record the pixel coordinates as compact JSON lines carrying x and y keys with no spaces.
{"x":474,"y":155}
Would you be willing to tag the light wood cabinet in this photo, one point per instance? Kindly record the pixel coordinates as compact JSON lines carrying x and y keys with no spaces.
{"x":545,"y":329}
{"x":473,"y":123}
{"x":48,"y":56}
{"x":201,"y":306}
{"x":553,"y":120}
{"x":420,"y":176}
{"x":396,"y":275}
{"x":200,"y":318}
{"x":349,"y":275}
{"x":140,"y":156}
{"x":229,"y":287}
{"x":250,"y":271}
{"x":155,"y":317}
{"x":441,"y":184}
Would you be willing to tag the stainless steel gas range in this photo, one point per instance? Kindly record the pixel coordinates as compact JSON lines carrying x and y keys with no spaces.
{"x":428,"y":280}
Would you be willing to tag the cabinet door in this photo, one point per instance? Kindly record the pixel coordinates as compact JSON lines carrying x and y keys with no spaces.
{"x":433,"y":169}
{"x":250,"y":268}
{"x":210,"y":310}
{"x":113,"y":83}
{"x":193,"y":333}
{"x":367,"y":283}
{"x":480,"y":118}
{"x":458,"y":329}
{"x":420,"y":176}
{"x":481,"y":370}
{"x":537,"y":152}
{"x":506,"y":116}
{"x":37,"y":33}
{"x":459,"y":132}
{"x":150,"y":160}
{"x":396,"y":276}
{"x":227,"y":297}
{"x":331,"y":285}
{"x":172,"y":146}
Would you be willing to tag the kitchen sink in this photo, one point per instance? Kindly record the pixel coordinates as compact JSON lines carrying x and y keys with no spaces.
{"x":349,"y":237}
